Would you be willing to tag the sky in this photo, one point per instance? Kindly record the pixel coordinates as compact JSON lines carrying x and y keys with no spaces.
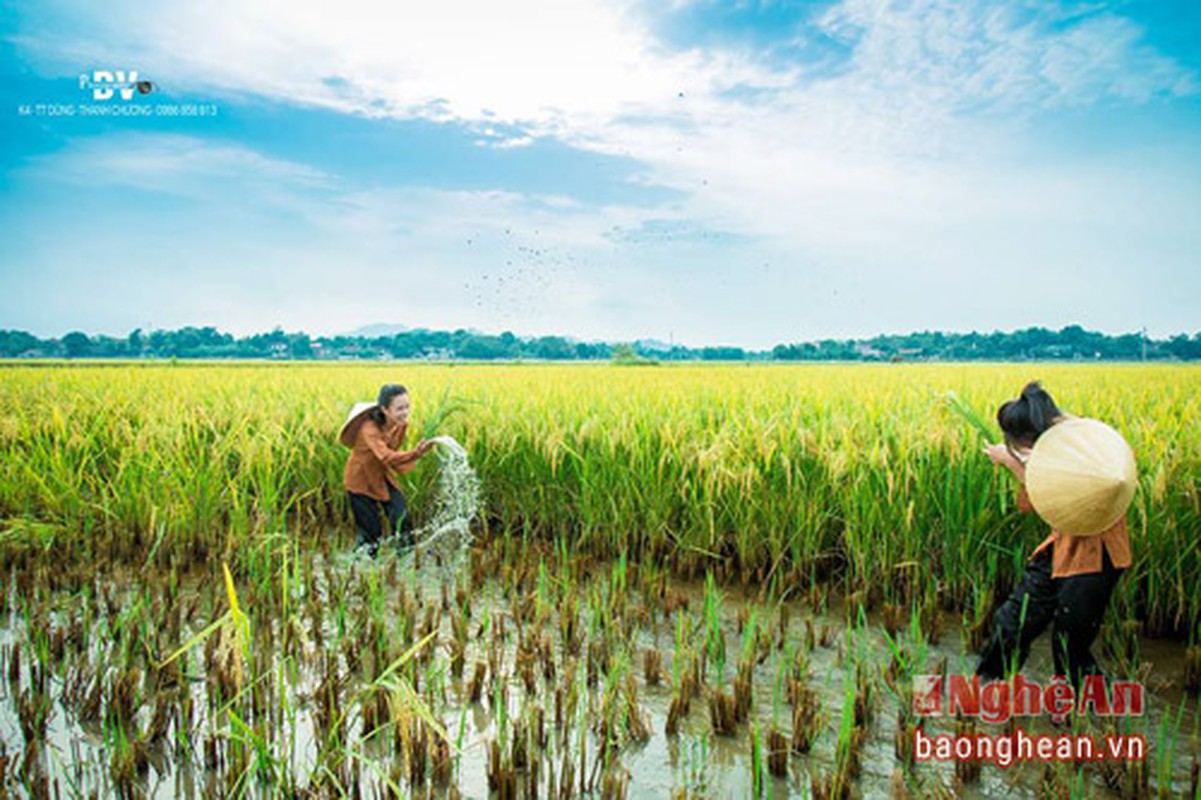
{"x":740,"y":173}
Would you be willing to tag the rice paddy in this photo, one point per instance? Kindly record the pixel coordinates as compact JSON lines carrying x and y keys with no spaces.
{"x":684,"y":581}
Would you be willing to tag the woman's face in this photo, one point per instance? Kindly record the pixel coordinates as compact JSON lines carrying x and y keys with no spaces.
{"x":397,"y":411}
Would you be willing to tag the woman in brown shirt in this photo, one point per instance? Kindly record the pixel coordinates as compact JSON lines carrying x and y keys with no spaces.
{"x":1068,"y":579}
{"x":375,"y":433}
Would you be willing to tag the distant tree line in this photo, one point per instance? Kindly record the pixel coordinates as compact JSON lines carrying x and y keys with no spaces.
{"x":1072,"y":343}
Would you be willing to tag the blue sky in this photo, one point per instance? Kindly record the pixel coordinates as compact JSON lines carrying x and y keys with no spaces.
{"x":741,"y":173}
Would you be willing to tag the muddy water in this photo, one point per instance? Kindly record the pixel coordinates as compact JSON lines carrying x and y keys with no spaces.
{"x":79,"y":757}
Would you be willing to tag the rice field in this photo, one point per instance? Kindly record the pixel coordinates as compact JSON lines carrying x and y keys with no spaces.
{"x":689,"y":581}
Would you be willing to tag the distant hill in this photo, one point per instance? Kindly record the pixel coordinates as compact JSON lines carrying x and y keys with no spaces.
{"x":377,"y":329}
{"x":653,"y":345}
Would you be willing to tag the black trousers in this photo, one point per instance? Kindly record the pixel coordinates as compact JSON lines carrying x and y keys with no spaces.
{"x":375,"y":519}
{"x":1075,"y":605}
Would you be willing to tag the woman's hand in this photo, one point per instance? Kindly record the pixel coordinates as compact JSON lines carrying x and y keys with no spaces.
{"x":412,"y":456}
{"x":1001,"y":455}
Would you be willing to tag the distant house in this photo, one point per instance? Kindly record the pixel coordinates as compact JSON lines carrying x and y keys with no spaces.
{"x":279,"y":350}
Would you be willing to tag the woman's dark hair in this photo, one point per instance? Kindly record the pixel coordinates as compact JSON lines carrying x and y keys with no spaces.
{"x":1025,"y":419}
{"x":387,"y":393}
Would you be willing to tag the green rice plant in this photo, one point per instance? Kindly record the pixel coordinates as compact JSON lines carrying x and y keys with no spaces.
{"x":694,"y":778}
{"x":968,"y":415}
{"x":1165,"y":748}
{"x":267,"y":766}
{"x":865,"y":481}
{"x":759,"y":781}
{"x":833,"y":471}
{"x":715,"y":638}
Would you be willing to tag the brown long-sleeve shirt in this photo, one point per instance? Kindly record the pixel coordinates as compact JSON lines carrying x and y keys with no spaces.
{"x":1081,"y":555}
{"x":374,"y":458}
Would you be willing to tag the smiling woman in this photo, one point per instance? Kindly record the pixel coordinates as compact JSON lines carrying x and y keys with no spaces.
{"x":374,"y":431}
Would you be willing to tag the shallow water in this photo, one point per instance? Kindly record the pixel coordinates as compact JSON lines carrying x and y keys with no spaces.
{"x":79,"y":756}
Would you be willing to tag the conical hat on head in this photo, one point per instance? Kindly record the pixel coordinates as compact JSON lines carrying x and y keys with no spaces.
{"x":350,"y":428}
{"x":1081,"y":476}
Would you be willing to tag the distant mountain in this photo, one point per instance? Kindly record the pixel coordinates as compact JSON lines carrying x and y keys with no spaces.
{"x":377,"y":329}
{"x":653,"y":345}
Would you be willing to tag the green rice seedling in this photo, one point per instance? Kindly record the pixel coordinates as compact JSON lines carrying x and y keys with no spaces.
{"x":715,"y":639}
{"x":1121,"y":643}
{"x":850,"y":733}
{"x":682,"y":675}
{"x":544,"y":601}
{"x":978,"y":623}
{"x":266,"y":766}
{"x":858,"y":658}
{"x":722,"y":705}
{"x":458,"y":643}
{"x":758,"y":765}
{"x":619,"y":720}
{"x":755,"y":647}
{"x":906,"y":659}
{"x":839,"y":782}
{"x":33,"y":712}
{"x":1165,"y":749}
{"x":129,"y":758}
{"x":1192,"y":663}
{"x":778,"y":746}
{"x":694,"y":778}
{"x":570,"y":635}
{"x":1061,"y":781}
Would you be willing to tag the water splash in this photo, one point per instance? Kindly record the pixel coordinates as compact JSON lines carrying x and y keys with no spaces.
{"x":453,"y":506}
{"x":455,"y":502}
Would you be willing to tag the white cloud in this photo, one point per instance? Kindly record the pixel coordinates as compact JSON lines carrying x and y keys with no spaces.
{"x":910,"y":158}
{"x":570,"y":67}
{"x":169,"y":163}
{"x":918,"y":77}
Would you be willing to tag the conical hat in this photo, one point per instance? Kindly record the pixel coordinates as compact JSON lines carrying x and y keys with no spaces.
{"x":1081,"y":476}
{"x":350,"y":428}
